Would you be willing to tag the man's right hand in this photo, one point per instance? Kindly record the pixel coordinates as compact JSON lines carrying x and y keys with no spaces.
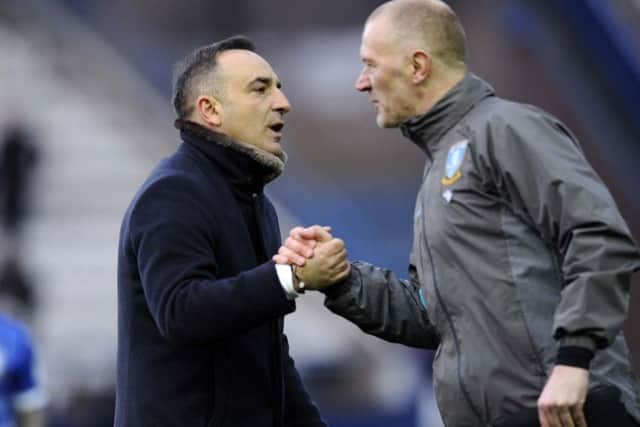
{"x":328,"y":266}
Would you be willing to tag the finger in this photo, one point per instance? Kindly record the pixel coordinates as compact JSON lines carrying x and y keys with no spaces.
{"x":303,"y":233}
{"x":334,"y":247}
{"x":341,"y":277}
{"x":308,"y":243}
{"x":578,"y":416}
{"x":279,"y":259}
{"x":542,"y":417}
{"x":554,"y":417}
{"x":298,"y":247}
{"x":344,"y":273}
{"x":321,"y":233}
{"x":291,"y":257}
{"x":296,"y":231}
{"x":565,"y":417}
{"x":548,"y":418}
{"x":341,"y":267}
{"x":315,"y":232}
{"x":327,"y":228}
{"x":338,"y":260}
{"x":305,"y":242}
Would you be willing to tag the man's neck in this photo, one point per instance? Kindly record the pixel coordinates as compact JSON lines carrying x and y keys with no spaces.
{"x":439,"y":85}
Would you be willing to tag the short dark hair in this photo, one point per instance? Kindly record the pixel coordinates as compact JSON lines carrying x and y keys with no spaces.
{"x":190,"y":71}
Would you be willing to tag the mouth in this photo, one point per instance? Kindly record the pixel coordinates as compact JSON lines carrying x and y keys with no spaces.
{"x":276,"y":128}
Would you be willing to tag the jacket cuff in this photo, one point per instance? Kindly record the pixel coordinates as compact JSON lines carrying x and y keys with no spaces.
{"x":576,"y":350}
{"x":270,"y":293}
{"x":578,"y":357}
{"x":583,"y":341}
{"x":343,"y":287}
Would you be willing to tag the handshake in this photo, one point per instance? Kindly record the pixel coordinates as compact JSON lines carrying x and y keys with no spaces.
{"x":319,"y":259}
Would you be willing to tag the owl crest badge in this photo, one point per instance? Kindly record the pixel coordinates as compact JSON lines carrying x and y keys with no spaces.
{"x":454,"y":162}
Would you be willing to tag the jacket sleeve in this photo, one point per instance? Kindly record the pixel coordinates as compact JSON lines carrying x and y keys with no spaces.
{"x":299,"y":411}
{"x":382,"y":305}
{"x":174,"y":243}
{"x":539,"y":168}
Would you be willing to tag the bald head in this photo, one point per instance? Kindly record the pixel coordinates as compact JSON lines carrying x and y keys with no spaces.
{"x":430,"y":25}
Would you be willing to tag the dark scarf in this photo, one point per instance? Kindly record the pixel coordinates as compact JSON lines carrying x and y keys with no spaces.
{"x":270,"y":165}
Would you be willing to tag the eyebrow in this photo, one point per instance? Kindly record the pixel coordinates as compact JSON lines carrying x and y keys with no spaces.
{"x":265,"y":80}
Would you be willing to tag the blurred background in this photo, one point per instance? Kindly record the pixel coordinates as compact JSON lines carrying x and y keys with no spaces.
{"x":85,"y":114}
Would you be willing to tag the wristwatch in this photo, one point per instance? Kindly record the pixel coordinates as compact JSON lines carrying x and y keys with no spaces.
{"x":298,"y":285}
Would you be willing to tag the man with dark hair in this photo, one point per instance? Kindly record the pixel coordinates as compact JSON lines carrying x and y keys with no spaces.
{"x":521,"y":263}
{"x":200,"y":304}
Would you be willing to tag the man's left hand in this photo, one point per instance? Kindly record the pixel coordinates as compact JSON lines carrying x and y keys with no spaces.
{"x":562,"y":400}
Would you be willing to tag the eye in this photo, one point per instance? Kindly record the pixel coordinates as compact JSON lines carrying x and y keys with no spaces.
{"x":368,"y":63}
{"x":260,"y":89}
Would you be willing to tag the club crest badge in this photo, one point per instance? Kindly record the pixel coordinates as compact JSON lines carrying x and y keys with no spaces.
{"x":454,"y":162}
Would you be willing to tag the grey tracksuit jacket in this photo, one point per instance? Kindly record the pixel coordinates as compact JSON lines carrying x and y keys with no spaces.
{"x":518,"y":249}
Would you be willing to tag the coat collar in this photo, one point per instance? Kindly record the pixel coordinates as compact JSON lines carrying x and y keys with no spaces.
{"x":426,"y":130}
{"x":247,"y":168}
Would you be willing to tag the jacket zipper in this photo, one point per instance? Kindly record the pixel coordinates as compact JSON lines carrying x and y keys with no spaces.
{"x":465,"y":393}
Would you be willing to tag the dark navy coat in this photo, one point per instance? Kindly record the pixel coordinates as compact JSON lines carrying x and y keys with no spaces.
{"x":200,"y":307}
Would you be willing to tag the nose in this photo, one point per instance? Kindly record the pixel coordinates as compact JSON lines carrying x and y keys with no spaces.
{"x":363,"y":83}
{"x":282,"y":104}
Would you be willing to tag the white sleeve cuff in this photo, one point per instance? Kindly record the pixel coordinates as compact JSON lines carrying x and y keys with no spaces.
{"x":285,"y":276}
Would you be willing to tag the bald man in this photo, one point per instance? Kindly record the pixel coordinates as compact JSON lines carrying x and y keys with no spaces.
{"x":521,"y":263}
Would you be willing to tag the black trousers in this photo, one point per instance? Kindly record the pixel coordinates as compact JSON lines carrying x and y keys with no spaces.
{"x":602,"y":408}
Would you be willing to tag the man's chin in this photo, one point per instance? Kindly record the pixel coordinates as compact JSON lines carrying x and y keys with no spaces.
{"x":385,"y":123}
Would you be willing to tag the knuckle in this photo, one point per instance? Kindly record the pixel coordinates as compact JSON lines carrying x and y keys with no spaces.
{"x":288,"y":252}
{"x":295,"y":230}
{"x":544,"y":404}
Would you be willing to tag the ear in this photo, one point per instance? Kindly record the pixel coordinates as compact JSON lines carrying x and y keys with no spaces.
{"x":208,"y":110}
{"x":421,"y":66}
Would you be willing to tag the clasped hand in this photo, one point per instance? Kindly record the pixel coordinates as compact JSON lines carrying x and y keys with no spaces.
{"x":321,"y":259}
